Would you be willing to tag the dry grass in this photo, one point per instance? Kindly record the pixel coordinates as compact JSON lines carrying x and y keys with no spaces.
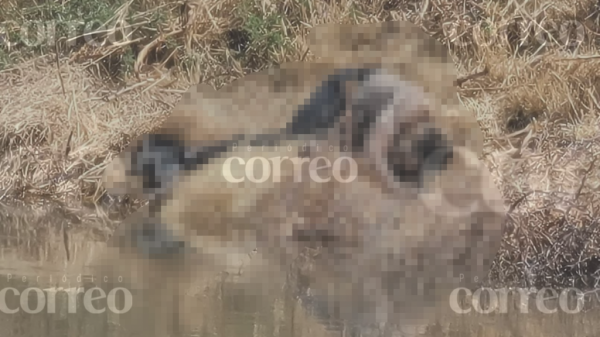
{"x":538,"y":105}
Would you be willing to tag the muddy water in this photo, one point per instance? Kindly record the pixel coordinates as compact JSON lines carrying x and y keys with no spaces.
{"x":221,"y":310}
{"x":36,"y":257}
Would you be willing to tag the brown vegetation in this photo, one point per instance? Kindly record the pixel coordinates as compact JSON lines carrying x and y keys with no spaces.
{"x":537,"y":106}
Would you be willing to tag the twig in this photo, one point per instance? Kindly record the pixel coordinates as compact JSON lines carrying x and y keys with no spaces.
{"x":579,"y":58}
{"x":112,"y":96}
{"x":62,"y":85}
{"x":516,"y":203}
{"x":459,"y":82}
{"x":587,"y":172}
{"x":144,"y":52}
{"x":304,"y":55}
{"x":68,"y":146}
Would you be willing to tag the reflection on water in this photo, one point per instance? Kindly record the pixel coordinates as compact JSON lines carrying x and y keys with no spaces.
{"x":37,"y":259}
{"x":226,"y":309}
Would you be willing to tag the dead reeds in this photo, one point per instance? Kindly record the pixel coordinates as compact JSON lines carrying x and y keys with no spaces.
{"x":537,"y":103}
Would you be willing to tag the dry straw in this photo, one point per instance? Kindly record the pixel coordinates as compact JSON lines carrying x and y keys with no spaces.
{"x":537,"y":104}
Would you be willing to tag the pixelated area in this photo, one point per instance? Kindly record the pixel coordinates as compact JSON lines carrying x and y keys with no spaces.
{"x":391,"y":45}
{"x":390,"y":244}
